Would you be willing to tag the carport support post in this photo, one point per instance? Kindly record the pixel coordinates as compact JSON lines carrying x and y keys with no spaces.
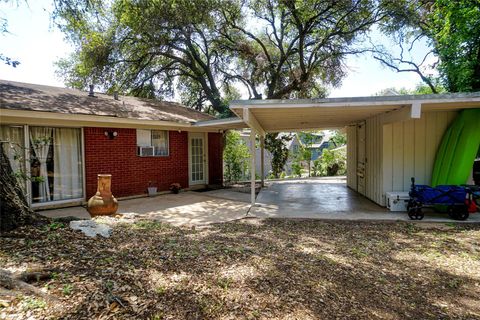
{"x":262,"y":160}
{"x":252,"y":169}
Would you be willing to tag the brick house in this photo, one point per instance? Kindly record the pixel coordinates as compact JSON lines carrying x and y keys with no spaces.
{"x":62,"y":138}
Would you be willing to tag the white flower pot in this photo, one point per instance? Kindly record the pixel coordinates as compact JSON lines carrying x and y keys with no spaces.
{"x":152,"y":191}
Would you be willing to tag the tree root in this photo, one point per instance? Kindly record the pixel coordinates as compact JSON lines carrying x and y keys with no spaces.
{"x":9,"y":281}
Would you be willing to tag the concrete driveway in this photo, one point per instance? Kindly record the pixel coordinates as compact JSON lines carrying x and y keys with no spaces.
{"x":185,"y":208}
{"x":326,"y":198}
{"x":317,"y":198}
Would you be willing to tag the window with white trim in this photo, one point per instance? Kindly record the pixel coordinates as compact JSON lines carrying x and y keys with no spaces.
{"x":152,"y":143}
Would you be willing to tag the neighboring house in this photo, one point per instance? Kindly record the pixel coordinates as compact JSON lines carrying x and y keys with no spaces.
{"x":293,"y":146}
{"x":72,"y":137}
{"x":320,"y":141}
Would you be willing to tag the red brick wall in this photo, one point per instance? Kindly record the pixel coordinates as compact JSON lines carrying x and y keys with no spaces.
{"x":131,"y":173}
{"x":215,"y":158}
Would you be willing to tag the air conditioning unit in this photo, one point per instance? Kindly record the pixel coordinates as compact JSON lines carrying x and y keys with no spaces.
{"x":146,"y":151}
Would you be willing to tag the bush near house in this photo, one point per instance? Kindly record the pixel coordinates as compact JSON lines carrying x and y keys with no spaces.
{"x":235,"y":157}
{"x":332,"y":163}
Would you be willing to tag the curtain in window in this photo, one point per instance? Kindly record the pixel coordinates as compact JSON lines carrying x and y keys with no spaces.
{"x":14,"y":148}
{"x":40,"y":140}
{"x":160,"y":142}
{"x":67,"y":162}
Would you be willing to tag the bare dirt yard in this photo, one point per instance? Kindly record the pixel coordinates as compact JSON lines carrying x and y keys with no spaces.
{"x":248,"y":269}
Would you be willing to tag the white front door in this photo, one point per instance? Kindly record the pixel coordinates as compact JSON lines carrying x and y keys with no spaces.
{"x":197,"y":158}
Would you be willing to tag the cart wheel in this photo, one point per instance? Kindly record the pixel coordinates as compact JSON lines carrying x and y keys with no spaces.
{"x":415,"y":213}
{"x":420,"y":215}
{"x":458,"y":212}
{"x":411,"y":214}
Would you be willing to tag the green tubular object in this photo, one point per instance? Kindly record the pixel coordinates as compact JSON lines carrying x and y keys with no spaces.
{"x":457,"y":151}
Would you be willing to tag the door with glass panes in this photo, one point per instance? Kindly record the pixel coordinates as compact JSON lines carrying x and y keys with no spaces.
{"x":197,"y":158}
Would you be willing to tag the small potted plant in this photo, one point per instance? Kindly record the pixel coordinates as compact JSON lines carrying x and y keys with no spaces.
{"x":175,"y":187}
{"x":152,"y":188}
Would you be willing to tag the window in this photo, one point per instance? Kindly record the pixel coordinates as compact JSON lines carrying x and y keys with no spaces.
{"x":55,"y":164}
{"x":152,"y":142}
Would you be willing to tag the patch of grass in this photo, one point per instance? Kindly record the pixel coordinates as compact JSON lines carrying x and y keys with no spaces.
{"x":224,"y":283}
{"x":359,"y":252}
{"x":109,"y":285}
{"x":67,"y":289}
{"x":411,"y":228}
{"x":157,"y":316}
{"x":150,"y":225}
{"x":30,"y":303}
{"x":107,"y":260}
{"x":53,"y":236}
{"x":54,"y":226}
{"x":160,"y":290}
{"x":382,"y":246}
{"x":454,"y":283}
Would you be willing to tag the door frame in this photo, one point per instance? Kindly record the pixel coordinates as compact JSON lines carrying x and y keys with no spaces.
{"x":204,"y":135}
{"x":361,"y":174}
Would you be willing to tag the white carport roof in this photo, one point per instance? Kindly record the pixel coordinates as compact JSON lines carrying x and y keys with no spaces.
{"x":303,"y":114}
{"x":264,"y":116}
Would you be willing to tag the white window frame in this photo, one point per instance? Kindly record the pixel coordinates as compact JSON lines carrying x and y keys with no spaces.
{"x":52,"y":203}
{"x":167,"y":134}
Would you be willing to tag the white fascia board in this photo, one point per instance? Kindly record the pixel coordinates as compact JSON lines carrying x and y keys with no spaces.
{"x":252,"y":122}
{"x":42,"y":117}
{"x":350,"y":103}
{"x":217,"y":122}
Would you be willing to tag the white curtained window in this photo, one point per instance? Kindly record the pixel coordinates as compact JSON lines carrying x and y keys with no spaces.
{"x":40,"y":140}
{"x":67,"y":164}
{"x":56,"y":166}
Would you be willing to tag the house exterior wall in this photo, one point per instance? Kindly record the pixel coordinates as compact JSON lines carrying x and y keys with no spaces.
{"x":410,"y":147}
{"x":397,"y":151}
{"x":215,"y":156}
{"x":131,"y":173}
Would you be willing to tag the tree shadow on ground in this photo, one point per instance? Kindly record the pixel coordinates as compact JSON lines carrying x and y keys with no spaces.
{"x":267,"y":269}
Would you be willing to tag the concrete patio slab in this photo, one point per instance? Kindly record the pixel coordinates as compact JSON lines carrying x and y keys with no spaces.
{"x":186,"y":208}
{"x":229,"y":194}
{"x":327,"y":199}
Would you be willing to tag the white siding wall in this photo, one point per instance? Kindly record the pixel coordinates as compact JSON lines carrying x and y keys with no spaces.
{"x":410,"y":147}
{"x":373,"y":144}
{"x":352,"y":157}
{"x":396,"y":152}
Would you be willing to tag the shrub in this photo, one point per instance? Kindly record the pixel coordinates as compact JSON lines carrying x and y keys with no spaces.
{"x":236,"y":157}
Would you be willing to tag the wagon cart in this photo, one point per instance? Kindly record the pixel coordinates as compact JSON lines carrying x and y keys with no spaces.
{"x":457,"y":200}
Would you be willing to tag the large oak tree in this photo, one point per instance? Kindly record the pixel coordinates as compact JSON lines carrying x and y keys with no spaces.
{"x":206,"y":51}
{"x":451,"y":29}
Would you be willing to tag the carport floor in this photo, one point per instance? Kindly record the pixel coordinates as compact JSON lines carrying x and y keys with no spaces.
{"x":326,"y":199}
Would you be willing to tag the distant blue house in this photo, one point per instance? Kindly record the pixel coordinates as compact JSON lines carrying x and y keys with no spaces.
{"x":320,"y":141}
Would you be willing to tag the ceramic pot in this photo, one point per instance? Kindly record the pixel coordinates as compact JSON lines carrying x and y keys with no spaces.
{"x":103,"y":203}
{"x":152,"y":191}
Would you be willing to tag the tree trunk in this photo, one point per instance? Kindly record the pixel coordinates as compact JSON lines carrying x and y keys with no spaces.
{"x":15,"y":210}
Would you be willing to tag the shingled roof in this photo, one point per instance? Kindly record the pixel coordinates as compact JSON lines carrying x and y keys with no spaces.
{"x":33,"y":97}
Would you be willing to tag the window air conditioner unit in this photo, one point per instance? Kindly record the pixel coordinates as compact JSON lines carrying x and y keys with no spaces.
{"x":146,"y":151}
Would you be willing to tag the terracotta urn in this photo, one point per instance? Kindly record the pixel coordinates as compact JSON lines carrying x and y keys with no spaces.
{"x":103,"y":203}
